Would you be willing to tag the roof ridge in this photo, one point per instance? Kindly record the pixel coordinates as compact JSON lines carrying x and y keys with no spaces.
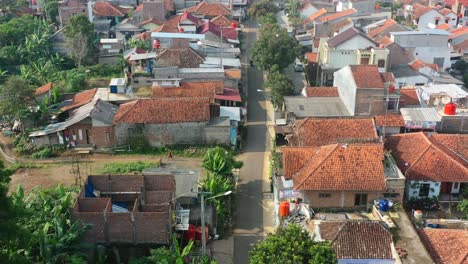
{"x":324,"y":159}
{"x":135,"y":103}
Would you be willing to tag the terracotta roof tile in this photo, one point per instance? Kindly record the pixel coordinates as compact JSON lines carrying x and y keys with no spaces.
{"x":444,"y":26}
{"x":456,"y":142}
{"x":152,"y":20}
{"x":80,"y":99}
{"x":229,"y":94}
{"x":218,"y":85}
{"x":417,"y":64}
{"x":343,"y":37}
{"x":172,"y":25}
{"x":315,"y":15}
{"x":184,"y":91}
{"x":461,"y":46}
{"x":363,"y":240}
{"x":44,"y":88}
{"x":356,"y":167}
{"x":385,"y":41}
{"x":210,"y":9}
{"x":425,"y":158}
{"x":445,"y":11}
{"x":446,"y":245}
{"x":321,"y":91}
{"x":377,"y":30}
{"x":330,"y":229}
{"x":311,"y":57}
{"x":367,"y":76}
{"x":388,"y":77}
{"x":232,"y":74}
{"x":183,"y":58}
{"x":458,"y":32}
{"x":389,"y":120}
{"x":419,"y":10}
{"x":408,"y":97}
{"x":336,"y":27}
{"x":338,"y":15}
{"x":106,"y":9}
{"x":221,"y":21}
{"x":228,"y":33}
{"x":294,"y":158}
{"x":161,"y":111}
{"x":316,"y":42}
{"x":319,"y":132}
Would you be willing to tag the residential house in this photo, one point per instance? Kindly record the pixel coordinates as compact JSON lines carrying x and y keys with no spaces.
{"x":445,"y":245}
{"x":185,"y":90}
{"x":184,"y":58}
{"x":151,"y":24}
{"x":88,"y":125}
{"x":79,"y":100}
{"x":126,"y":29}
{"x":409,"y":98}
{"x":314,"y":132}
{"x":44,"y":92}
{"x":342,"y":175}
{"x":185,"y":22}
{"x":309,"y":21}
{"x":107,"y":11}
{"x":382,"y":29}
{"x":407,"y":76}
{"x":168,"y":121}
{"x":459,"y":7}
{"x":421,"y":119}
{"x":307,"y":10}
{"x":208,"y":10}
{"x":434,"y":165}
{"x":430,"y":46}
{"x":431,"y":17}
{"x":216,"y":34}
{"x":350,"y":47}
{"x":127,"y":209}
{"x":69,"y":8}
{"x":389,"y":124}
{"x":338,"y":16}
{"x":362,"y":88}
{"x":110,"y":51}
{"x":222,"y":21}
{"x":153,"y":9}
{"x":358,"y":241}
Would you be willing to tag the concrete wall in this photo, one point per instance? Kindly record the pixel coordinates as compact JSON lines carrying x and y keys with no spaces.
{"x":346,"y":88}
{"x":428,"y":54}
{"x":369,"y":102}
{"x":454,"y":124}
{"x":364,"y":7}
{"x":340,"y":58}
{"x":337,"y":199}
{"x":430,"y":18}
{"x":412,"y":189}
{"x":170,"y":134}
{"x":357,"y":42}
{"x":410,"y":81}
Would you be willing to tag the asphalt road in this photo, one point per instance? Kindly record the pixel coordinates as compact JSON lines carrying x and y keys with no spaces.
{"x":249,"y":222}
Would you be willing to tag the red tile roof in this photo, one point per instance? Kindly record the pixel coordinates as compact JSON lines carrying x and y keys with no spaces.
{"x":356,"y":167}
{"x":385,"y":41}
{"x":423,"y":157}
{"x":377,"y":30}
{"x":458,"y":32}
{"x":80,"y":99}
{"x":388,"y":77}
{"x":315,"y":15}
{"x":445,"y":11}
{"x":362,"y":240}
{"x":162,"y":111}
{"x":461,"y":46}
{"x":229,"y":94}
{"x":221,"y":21}
{"x":232,"y":74}
{"x":228,"y":33}
{"x":338,"y":15}
{"x":389,"y":120}
{"x":347,"y":35}
{"x":417,"y":64}
{"x":294,"y":158}
{"x":187,"y":91}
{"x":444,"y":26}
{"x":106,"y":9}
{"x":152,"y":20}
{"x":311,"y":57}
{"x":408,"y":97}
{"x":183,"y":58}
{"x":321,"y":91}
{"x":218,"y":85}
{"x":44,"y":88}
{"x":210,"y":9}
{"x":318,"y":132}
{"x":419,"y":10}
{"x":367,"y":76}
{"x":336,"y":27}
{"x":446,"y":245}
{"x":455,"y":142}
{"x":172,"y":25}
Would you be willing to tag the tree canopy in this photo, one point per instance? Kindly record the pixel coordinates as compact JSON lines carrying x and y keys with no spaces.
{"x":80,"y":36}
{"x":269,"y":18}
{"x":279,"y":86}
{"x":15,"y":97}
{"x":262,"y":8}
{"x":274,"y":46}
{"x":292,"y":245}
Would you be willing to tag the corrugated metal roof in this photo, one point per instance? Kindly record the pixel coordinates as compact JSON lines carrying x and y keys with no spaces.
{"x":144,"y":56}
{"x":420,"y":114}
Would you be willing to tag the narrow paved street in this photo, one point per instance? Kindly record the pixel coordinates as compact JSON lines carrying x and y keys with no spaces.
{"x":250,"y":220}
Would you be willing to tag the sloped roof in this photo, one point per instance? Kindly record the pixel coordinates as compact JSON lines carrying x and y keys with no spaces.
{"x":172,"y":25}
{"x":419,"y":10}
{"x":445,"y":11}
{"x":417,"y":64}
{"x":408,"y":97}
{"x":347,"y":35}
{"x":336,"y":167}
{"x":427,"y":158}
{"x":221,"y":21}
{"x":444,"y":26}
{"x":385,"y":41}
{"x":361,"y":240}
{"x":80,"y":99}
{"x":377,"y":30}
{"x":338,"y":15}
{"x":311,"y":56}
{"x":392,"y":120}
{"x":446,"y":245}
{"x":44,"y":88}
{"x":162,"y":111}
{"x":232,"y":74}
{"x":210,"y":9}
{"x":336,"y":27}
{"x":107,"y":9}
{"x":294,"y":158}
{"x":183,"y":58}
{"x":458,"y":32}
{"x":218,"y":85}
{"x":228,"y":33}
{"x":315,"y":15}
{"x":319,"y":132}
{"x":387,"y":77}
{"x":184,"y":91}
{"x":367,"y":76}
{"x":151,"y":20}
{"x":321,"y":91}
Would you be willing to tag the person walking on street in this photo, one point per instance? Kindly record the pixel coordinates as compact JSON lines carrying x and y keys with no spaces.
{"x":169,"y":155}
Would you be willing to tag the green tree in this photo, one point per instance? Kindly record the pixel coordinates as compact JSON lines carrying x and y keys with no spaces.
{"x":279,"y":86}
{"x":14,"y":31}
{"x":262,"y":8}
{"x":274,"y":46}
{"x":311,"y":73}
{"x":292,"y":8}
{"x":15,"y":97}
{"x":292,"y":245}
{"x":463,"y":207}
{"x":80,"y":36}
{"x":50,"y":9}
{"x":268,"y":18}
{"x":220,"y":161}
{"x":465,"y":80}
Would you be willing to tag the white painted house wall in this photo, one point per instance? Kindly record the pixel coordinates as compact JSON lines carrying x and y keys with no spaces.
{"x":357,"y":42}
{"x":410,"y":81}
{"x":428,"y":54}
{"x":343,"y":79}
{"x":340,"y":58}
{"x":412,"y":189}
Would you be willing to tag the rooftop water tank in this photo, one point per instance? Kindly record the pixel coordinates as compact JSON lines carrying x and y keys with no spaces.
{"x":450,"y":109}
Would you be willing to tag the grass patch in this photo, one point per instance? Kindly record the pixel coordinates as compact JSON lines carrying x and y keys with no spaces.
{"x":177,"y":150}
{"x":23,"y":165}
{"x":127,"y":167}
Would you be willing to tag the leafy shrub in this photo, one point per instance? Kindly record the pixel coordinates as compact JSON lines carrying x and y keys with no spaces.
{"x":192,"y":151}
{"x":23,"y":146}
{"x":127,"y":167}
{"x":42,"y":154}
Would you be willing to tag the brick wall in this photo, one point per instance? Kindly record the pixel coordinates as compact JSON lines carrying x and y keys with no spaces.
{"x":334,"y":201}
{"x":370,"y":101}
{"x":103,"y":136}
{"x":69,"y":8}
{"x":79,"y":132}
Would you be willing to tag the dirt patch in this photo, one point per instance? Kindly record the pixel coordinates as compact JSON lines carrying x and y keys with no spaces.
{"x":52,"y":174}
